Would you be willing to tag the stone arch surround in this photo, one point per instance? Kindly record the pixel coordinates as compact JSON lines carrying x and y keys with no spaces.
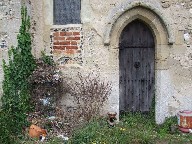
{"x":150,"y":5}
{"x":163,"y":39}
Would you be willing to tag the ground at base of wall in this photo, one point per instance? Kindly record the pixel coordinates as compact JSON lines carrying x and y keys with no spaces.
{"x":135,"y":128}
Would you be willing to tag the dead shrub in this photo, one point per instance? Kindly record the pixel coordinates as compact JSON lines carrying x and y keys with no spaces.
{"x":46,"y":89}
{"x":90,"y":94}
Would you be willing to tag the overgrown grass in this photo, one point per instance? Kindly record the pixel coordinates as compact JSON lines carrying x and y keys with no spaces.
{"x":50,"y":140}
{"x":133,"y":129}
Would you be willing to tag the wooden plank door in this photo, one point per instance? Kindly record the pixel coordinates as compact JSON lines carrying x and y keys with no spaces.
{"x":136,"y":65}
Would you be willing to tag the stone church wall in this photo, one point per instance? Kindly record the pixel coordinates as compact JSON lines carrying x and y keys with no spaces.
{"x":83,"y":47}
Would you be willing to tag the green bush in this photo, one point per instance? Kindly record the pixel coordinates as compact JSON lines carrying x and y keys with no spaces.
{"x":15,"y":100}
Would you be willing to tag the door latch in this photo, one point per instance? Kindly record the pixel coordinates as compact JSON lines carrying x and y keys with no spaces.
{"x":137,"y":64}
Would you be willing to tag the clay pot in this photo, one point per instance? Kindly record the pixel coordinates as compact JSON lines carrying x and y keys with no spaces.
{"x":36,"y":132}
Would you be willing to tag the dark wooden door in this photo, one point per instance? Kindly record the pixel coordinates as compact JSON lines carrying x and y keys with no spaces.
{"x":136,"y":65}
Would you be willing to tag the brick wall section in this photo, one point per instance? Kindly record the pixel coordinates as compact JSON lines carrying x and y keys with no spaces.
{"x":67,"y":39}
{"x":67,"y":42}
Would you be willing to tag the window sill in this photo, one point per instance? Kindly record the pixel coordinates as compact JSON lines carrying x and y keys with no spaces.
{"x":67,"y":25}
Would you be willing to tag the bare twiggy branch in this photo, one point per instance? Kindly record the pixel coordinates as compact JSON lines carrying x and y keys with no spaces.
{"x":90,"y":93}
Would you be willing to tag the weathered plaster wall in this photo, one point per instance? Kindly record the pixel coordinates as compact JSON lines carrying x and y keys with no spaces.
{"x":37,"y":26}
{"x":180,"y":57}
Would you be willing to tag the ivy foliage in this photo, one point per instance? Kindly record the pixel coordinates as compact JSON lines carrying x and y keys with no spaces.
{"x":47,"y":59}
{"x":16,"y":96}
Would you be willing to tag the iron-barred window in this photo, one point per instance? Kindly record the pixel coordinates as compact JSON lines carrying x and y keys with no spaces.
{"x":67,"y":12}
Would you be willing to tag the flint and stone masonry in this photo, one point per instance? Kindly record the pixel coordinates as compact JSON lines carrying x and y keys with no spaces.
{"x":93,"y":44}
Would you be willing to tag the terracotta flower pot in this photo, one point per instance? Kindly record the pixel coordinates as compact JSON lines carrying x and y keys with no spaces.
{"x":36,"y":132}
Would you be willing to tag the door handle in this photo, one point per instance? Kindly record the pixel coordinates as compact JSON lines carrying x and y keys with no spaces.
{"x":137,"y":64}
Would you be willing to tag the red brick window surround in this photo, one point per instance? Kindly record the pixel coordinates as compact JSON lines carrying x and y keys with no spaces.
{"x":67,"y":42}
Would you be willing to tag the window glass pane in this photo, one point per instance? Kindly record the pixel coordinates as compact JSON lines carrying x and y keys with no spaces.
{"x":67,"y":11}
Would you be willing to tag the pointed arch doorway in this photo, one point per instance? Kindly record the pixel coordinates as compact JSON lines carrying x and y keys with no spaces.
{"x":136,"y":67}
